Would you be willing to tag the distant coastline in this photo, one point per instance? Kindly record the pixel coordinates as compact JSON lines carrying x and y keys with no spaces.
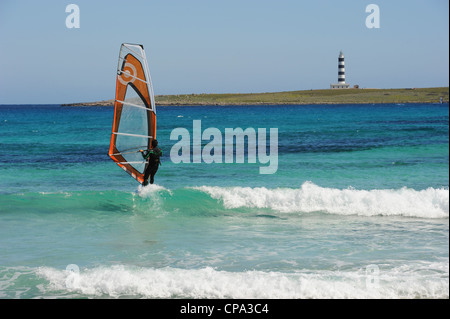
{"x":326,"y":96}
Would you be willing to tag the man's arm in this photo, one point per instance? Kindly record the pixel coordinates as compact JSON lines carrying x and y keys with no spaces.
{"x":145,"y":154}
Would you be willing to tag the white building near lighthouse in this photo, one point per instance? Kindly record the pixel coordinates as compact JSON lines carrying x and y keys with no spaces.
{"x":341,"y":74}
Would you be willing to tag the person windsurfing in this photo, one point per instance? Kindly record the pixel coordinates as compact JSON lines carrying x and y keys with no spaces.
{"x":153,"y":161}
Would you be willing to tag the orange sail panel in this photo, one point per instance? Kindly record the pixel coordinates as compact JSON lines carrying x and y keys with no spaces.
{"x":134,"y":125}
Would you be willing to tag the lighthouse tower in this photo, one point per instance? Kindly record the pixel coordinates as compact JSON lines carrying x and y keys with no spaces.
{"x":341,"y":69}
{"x":341,"y":74}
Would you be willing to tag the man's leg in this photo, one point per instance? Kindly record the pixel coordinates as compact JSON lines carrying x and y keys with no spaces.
{"x":152,"y":174}
{"x":146,"y":176}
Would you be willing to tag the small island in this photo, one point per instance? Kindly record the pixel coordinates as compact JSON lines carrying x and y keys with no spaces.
{"x":325,"y":96}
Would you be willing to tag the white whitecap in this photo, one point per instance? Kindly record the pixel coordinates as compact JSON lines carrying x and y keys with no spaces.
{"x":427,"y":203}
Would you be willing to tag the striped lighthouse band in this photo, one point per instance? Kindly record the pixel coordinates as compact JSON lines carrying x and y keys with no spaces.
{"x":341,"y":68}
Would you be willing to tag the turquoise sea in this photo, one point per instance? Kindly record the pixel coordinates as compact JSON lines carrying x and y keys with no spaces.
{"x":358,"y":207}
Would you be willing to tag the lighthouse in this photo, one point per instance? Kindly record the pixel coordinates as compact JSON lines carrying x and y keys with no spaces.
{"x":341,"y":74}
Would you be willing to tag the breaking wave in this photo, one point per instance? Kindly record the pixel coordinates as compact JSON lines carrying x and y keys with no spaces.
{"x":409,"y":281}
{"x":213,"y":200}
{"x":428,"y":203}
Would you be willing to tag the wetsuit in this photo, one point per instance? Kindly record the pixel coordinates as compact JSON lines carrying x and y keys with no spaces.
{"x":153,"y":157}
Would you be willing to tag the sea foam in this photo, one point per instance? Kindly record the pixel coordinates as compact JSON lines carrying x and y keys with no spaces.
{"x":427,"y":203}
{"x":127,"y":281}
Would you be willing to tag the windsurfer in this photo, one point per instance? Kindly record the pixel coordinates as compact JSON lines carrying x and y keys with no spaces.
{"x":153,"y":161}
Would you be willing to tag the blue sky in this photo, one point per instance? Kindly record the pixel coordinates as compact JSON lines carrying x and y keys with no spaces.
{"x":230,"y":46}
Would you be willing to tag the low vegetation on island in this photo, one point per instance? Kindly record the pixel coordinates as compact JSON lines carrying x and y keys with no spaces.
{"x":326,"y":96}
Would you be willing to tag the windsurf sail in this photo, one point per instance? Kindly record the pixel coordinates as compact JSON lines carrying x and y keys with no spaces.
{"x":134,"y":125}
